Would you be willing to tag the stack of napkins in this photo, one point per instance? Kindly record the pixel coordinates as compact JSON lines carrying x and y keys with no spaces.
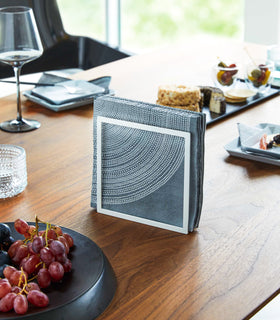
{"x":67,"y":91}
{"x":58,"y":93}
{"x":148,"y":163}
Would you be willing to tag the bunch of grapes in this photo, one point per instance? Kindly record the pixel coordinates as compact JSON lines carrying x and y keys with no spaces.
{"x":42,"y":255}
{"x":16,"y":292}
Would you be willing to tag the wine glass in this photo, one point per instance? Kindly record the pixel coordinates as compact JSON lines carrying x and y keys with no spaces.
{"x":19,"y":43}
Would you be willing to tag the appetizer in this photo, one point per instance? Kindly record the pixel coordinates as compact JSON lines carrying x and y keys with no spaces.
{"x":259,"y":76}
{"x":225,"y":74}
{"x":269,"y":141}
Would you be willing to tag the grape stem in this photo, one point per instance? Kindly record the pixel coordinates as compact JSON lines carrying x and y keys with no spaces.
{"x":48,"y":227}
{"x":20,"y":281}
{"x":31,"y":279}
{"x":46,"y":233}
{"x":37,"y":224}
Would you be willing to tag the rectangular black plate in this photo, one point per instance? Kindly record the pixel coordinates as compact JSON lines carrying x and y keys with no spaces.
{"x":231,"y":108}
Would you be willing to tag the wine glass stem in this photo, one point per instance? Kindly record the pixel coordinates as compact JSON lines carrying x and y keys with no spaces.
{"x":17,"y":74}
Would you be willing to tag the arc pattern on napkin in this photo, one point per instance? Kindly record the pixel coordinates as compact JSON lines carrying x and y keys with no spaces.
{"x":135,"y":162}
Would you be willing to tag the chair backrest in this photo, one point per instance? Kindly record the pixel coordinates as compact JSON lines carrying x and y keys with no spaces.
{"x":61,"y":50}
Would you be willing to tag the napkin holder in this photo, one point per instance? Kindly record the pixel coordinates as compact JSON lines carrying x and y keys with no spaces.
{"x":148,"y":163}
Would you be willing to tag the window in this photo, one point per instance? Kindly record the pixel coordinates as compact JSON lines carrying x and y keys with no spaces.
{"x":149,"y":24}
{"x":84,"y":18}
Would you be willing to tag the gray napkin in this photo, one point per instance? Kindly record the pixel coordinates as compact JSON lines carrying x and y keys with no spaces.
{"x":67,"y":91}
{"x":54,"y":77}
{"x":142,"y":172}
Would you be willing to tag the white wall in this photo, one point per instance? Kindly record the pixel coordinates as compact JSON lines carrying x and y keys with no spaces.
{"x":262,"y":21}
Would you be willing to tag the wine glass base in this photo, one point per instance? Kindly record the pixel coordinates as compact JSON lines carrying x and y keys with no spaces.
{"x":22,"y":125}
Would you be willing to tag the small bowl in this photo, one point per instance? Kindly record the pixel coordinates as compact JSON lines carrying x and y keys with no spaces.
{"x":225,"y":75}
{"x":258,"y":75}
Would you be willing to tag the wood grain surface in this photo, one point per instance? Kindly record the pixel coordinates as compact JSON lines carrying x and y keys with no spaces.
{"x":229,"y":267}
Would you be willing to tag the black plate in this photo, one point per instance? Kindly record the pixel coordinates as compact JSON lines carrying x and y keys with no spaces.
{"x":232,"y":108}
{"x":84,"y":293}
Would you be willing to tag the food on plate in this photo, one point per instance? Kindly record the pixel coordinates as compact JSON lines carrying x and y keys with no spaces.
{"x":238,"y":95}
{"x":193,"y":107}
{"x":214,"y":99}
{"x":192,"y":98}
{"x":229,"y":98}
{"x":269,"y":141}
{"x":42,"y":256}
{"x":226,"y":73}
{"x":217,"y":105}
{"x":259,"y":76}
{"x":234,"y":100}
{"x":263,"y":143}
{"x":178,"y":95}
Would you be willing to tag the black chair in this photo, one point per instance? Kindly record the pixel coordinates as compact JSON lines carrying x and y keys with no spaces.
{"x":61,"y":50}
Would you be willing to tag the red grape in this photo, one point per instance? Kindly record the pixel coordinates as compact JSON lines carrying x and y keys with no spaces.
{"x":31,"y":264}
{"x":69,"y":239}
{"x":61,"y":257}
{"x":29,"y":246}
{"x":7,"y":302}
{"x":57,"y":247}
{"x":8,"y":271}
{"x":57,"y":230}
{"x":67,"y":266}
{"x":47,"y":256}
{"x":64,"y":241}
{"x":56,"y":271}
{"x":23,"y":261}
{"x":38,"y":298}
{"x":13,"y":248}
{"x":20,"y":304}
{"x":16,"y":289}
{"x":32,"y":230}
{"x":44,"y":278}
{"x":5,"y":287}
{"x":21,"y":253}
{"x":18,"y":277}
{"x":38,"y":243}
{"x":21,"y":226}
{"x":32,"y":286}
{"x":52,"y":234}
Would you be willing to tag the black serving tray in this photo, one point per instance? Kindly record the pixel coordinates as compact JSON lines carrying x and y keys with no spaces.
{"x":233,"y":108}
{"x":84,"y":293}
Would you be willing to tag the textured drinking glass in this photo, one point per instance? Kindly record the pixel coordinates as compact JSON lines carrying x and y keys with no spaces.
{"x":258,"y":75}
{"x":13,"y":175}
{"x":19,"y":43}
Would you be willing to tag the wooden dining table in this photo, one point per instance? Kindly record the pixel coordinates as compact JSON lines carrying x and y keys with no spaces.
{"x":229,"y":267}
